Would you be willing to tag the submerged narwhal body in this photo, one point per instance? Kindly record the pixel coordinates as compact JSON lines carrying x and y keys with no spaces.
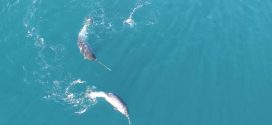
{"x":83,"y":45}
{"x":114,"y":100}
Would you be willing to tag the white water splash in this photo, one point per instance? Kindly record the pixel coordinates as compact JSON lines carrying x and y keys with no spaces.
{"x":130,"y":21}
{"x":77,"y":99}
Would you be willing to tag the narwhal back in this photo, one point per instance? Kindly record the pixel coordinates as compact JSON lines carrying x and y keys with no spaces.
{"x":86,"y":49}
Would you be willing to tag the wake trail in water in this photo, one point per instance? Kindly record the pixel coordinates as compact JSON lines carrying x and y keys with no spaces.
{"x":50,"y":72}
{"x":130,"y":21}
{"x":60,"y":86}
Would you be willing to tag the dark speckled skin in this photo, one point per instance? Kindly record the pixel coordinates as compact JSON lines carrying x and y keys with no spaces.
{"x":85,"y":49}
{"x":83,"y":46}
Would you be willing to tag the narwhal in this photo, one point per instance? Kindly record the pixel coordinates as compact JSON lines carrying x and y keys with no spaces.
{"x":83,"y":45}
{"x":114,"y":100}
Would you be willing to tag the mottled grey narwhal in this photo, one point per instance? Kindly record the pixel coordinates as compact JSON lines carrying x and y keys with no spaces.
{"x":84,"y":46}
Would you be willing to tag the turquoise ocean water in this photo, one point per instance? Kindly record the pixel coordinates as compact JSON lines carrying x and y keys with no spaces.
{"x":184,"y":62}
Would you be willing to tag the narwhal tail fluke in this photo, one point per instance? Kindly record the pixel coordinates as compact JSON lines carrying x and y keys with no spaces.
{"x":99,"y":62}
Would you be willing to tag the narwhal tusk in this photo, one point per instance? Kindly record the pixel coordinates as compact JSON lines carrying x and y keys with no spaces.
{"x":99,"y":62}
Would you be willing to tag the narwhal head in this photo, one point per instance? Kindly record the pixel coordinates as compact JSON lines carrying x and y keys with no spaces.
{"x":89,"y":56}
{"x":89,"y":21}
